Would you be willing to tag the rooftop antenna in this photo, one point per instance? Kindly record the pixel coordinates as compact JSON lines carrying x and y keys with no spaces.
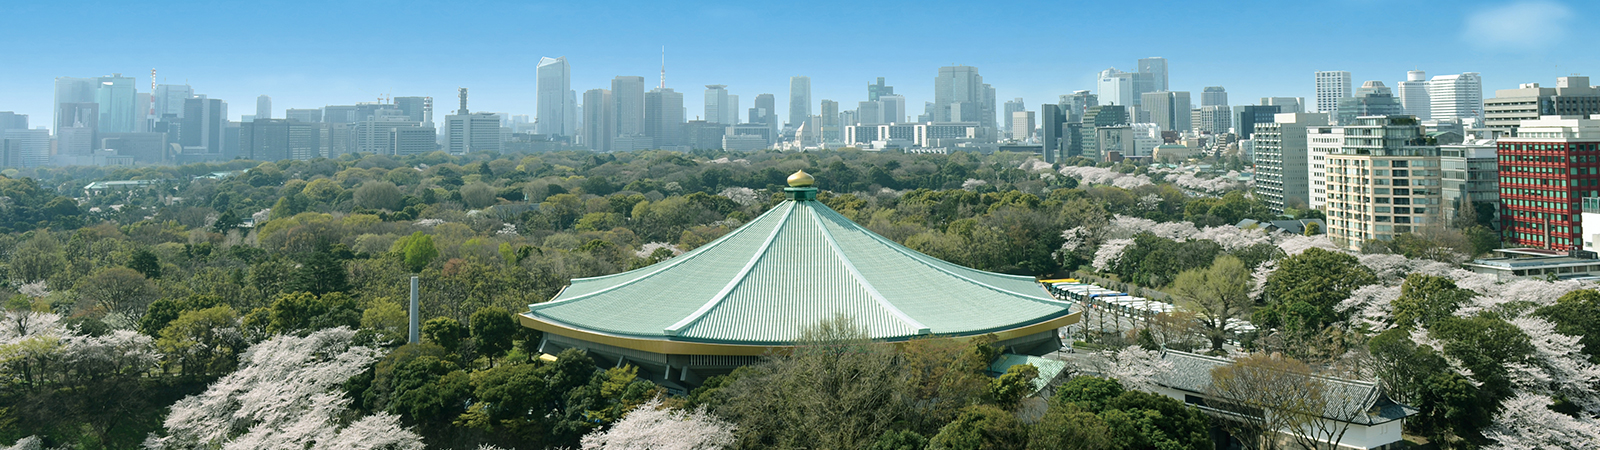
{"x":663,"y":67}
{"x":463,"y":102}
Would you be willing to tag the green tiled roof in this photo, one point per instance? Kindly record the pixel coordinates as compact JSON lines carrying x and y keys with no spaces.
{"x":1049,"y":369}
{"x":796,"y":265}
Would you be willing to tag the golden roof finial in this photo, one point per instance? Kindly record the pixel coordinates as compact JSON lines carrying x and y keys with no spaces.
{"x":801,"y":179}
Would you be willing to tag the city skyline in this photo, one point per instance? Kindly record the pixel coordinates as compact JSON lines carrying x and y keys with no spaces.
{"x":249,"y":60}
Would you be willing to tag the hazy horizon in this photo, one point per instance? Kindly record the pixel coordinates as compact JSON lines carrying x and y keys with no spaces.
{"x":309,"y":55}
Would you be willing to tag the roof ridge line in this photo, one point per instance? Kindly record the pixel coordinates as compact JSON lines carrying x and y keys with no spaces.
{"x":674,"y":262}
{"x":871,"y":291}
{"x":728,"y":288}
{"x":919,"y":258}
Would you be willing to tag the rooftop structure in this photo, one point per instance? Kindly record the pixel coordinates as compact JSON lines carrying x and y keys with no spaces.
{"x":752,"y":291}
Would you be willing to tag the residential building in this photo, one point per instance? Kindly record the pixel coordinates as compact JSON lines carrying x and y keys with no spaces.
{"x":1545,"y":170}
{"x":799,"y":100}
{"x":1383,"y":182}
{"x":627,"y":96}
{"x":1320,"y":142}
{"x":1281,"y":159}
{"x":1470,"y":174}
{"x":1572,"y":96}
{"x":1213,"y":96}
{"x":1170,"y":110}
{"x":1022,"y":125}
{"x":1331,"y":86}
{"x":263,"y":107}
{"x":1372,"y":99}
{"x":554,"y":102}
{"x":599,"y":121}
{"x":1247,"y":117}
{"x":1413,"y":95}
{"x":1457,"y":96}
{"x":663,"y":117}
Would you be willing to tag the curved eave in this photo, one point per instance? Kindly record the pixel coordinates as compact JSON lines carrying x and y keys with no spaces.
{"x":680,"y":346}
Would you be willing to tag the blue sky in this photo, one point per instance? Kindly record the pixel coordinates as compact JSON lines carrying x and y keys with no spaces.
{"x":311,"y":54}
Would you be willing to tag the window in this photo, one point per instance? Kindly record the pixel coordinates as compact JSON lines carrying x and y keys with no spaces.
{"x":1402,"y":210}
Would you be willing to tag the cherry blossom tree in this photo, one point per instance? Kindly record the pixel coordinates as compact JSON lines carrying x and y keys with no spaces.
{"x":1526,"y":421}
{"x":1134,"y":367}
{"x":286,"y":394}
{"x":652,"y":427}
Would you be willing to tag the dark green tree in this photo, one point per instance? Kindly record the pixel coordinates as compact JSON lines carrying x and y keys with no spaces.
{"x":146,"y":263}
{"x":444,"y":331}
{"x":493,"y":329}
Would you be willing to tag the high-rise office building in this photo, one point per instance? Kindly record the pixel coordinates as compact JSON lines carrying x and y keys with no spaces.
{"x":169,"y":98}
{"x":204,"y":123}
{"x":717,"y":105}
{"x":417,"y":109}
{"x":73,"y":90}
{"x":1382,"y":182}
{"x":1115,"y":87}
{"x":25,"y":148}
{"x":466,"y":132}
{"x":799,"y":100}
{"x":959,"y":95}
{"x":280,"y":139}
{"x":1546,"y":171}
{"x":1470,"y":179}
{"x":340,"y":114}
{"x":1572,"y":96}
{"x":1413,"y":95}
{"x":82,"y":116}
{"x":627,"y":95}
{"x":868,"y":113}
{"x":1052,"y":120}
{"x":1008,"y":115}
{"x":263,"y":107}
{"x":874,"y":91}
{"x":119,"y":104}
{"x":1169,"y":110}
{"x":1215,"y":119}
{"x":1021,"y":125}
{"x":554,"y":84}
{"x":663,"y":117}
{"x":1457,"y":96}
{"x":1332,"y":85}
{"x":731,"y":112}
{"x":599,"y":121}
{"x":12,"y":121}
{"x":1247,"y":117}
{"x":1372,"y":99}
{"x":1076,"y":103}
{"x":1280,"y":158}
{"x":892,"y":108}
{"x":828,"y":112}
{"x":1157,"y":68}
{"x":1286,"y":104}
{"x":303,"y":115}
{"x":1213,"y":96}
{"x":376,"y":134}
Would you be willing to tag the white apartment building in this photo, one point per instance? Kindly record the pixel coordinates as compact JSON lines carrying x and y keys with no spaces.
{"x":1457,"y":96}
{"x":1281,"y":158}
{"x":1320,"y":141}
{"x":1332,"y":85}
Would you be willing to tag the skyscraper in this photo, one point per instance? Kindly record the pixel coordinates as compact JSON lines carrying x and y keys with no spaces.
{"x":119,"y":108}
{"x":73,"y":90}
{"x":1115,"y":87}
{"x":731,"y":111}
{"x":1413,"y":95}
{"x":1280,"y":158}
{"x":466,"y":132}
{"x":874,"y":91}
{"x":663,"y":117}
{"x":1456,"y":97}
{"x":799,"y":100}
{"x":204,"y":120}
{"x":869,"y":113}
{"x":627,"y":96}
{"x":1052,"y":121}
{"x":717,"y":104}
{"x":1213,"y":96}
{"x":1021,"y":125}
{"x":168,"y":99}
{"x":417,"y":109}
{"x":1009,"y":116}
{"x":892,"y":108}
{"x":1157,"y":68}
{"x":959,"y":95}
{"x":1331,"y":86}
{"x":1169,"y":110}
{"x":1075,"y":104}
{"x":263,"y":107}
{"x":1372,"y":99}
{"x":555,"y":86}
{"x":599,"y":122}
{"x":828,"y":112}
